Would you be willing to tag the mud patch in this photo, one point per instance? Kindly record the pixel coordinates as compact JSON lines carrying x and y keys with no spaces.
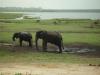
{"x":75,"y":48}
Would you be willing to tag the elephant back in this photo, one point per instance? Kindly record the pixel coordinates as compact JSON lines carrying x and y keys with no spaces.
{"x":25,"y":35}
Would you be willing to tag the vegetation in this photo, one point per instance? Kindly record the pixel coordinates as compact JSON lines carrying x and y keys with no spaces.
{"x":18,"y":73}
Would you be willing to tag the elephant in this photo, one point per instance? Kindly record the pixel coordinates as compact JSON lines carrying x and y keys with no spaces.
{"x":23,"y":36}
{"x":49,"y":37}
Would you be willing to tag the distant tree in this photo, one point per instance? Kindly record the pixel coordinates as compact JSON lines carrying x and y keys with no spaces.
{"x":95,"y":23}
{"x":38,"y":21}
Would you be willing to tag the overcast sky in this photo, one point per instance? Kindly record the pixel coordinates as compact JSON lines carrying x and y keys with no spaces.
{"x":53,"y":4}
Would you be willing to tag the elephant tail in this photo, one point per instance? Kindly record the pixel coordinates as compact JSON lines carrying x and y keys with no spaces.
{"x":62,"y":44}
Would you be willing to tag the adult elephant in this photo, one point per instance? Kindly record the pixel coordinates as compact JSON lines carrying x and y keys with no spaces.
{"x":49,"y":37}
{"x":23,"y":36}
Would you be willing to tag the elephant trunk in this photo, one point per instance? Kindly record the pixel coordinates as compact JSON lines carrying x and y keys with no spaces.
{"x":36,"y":41}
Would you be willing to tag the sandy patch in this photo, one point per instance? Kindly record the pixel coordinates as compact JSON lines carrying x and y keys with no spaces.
{"x":48,"y":69}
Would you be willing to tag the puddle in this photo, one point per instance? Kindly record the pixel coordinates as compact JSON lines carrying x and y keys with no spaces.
{"x":78,"y":50}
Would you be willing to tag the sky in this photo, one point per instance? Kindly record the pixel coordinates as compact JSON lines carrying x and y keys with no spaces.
{"x":52,"y":4}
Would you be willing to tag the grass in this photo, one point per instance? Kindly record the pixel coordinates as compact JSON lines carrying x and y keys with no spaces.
{"x":89,"y":38}
{"x":32,"y":25}
{"x":18,"y":73}
{"x":14,"y":74}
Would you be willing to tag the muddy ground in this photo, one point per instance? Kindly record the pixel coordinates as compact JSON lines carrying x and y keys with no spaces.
{"x":76,"y":48}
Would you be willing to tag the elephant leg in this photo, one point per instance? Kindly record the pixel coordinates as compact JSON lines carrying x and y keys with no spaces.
{"x":62,"y":44}
{"x":20,"y":42}
{"x":30,"y":43}
{"x":44,"y":46}
{"x":60,"y":49}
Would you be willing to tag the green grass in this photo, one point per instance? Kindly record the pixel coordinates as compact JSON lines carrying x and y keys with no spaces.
{"x":18,"y":74}
{"x":31,"y":25}
{"x":90,"y":38}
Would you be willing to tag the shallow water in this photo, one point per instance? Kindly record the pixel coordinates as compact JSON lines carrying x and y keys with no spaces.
{"x":78,"y":50}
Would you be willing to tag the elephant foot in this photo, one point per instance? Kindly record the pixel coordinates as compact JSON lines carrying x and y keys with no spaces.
{"x":60,"y":52}
{"x":30,"y":45}
{"x":45,"y":51}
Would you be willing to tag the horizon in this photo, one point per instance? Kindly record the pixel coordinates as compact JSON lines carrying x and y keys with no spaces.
{"x":47,"y":9}
{"x":52,"y":4}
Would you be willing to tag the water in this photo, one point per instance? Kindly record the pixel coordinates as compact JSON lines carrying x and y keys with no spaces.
{"x":72,"y":15}
{"x":69,"y":15}
{"x":78,"y":50}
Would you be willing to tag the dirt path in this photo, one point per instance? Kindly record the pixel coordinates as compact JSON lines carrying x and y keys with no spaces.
{"x":48,"y":69}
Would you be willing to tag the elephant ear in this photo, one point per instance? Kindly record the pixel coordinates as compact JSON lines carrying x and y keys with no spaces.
{"x":41,"y":32}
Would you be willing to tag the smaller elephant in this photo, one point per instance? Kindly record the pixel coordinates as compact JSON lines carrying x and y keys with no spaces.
{"x":49,"y":37}
{"x":23,"y":36}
